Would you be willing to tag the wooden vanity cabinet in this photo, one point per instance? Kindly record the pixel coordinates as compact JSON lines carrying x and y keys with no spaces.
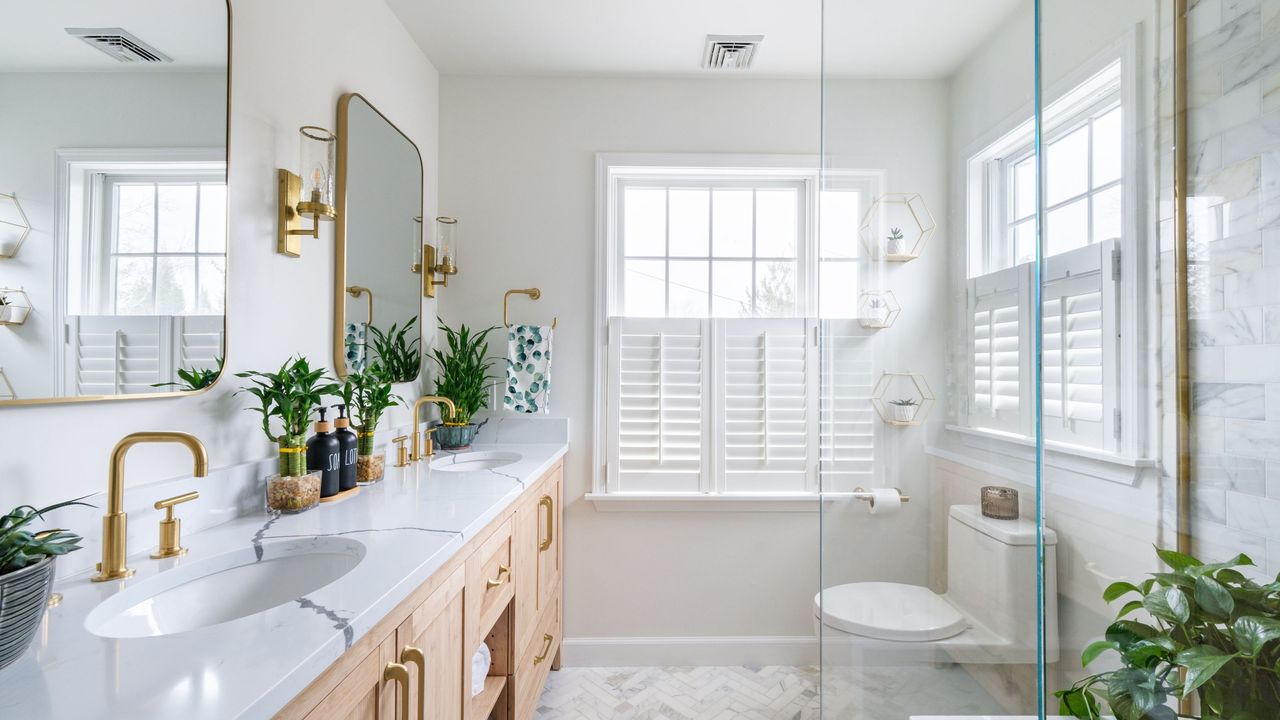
{"x":502,"y":589}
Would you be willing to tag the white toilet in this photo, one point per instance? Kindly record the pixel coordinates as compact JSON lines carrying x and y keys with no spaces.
{"x":987,"y":614}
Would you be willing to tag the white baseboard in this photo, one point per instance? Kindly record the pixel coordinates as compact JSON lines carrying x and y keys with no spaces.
{"x":691,"y":651}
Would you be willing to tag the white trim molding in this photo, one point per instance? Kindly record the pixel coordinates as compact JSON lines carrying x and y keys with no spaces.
{"x":695,"y":651}
{"x":703,"y":502}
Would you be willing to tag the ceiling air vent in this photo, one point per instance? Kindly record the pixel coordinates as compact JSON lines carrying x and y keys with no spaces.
{"x":120,"y":45}
{"x":730,"y":52}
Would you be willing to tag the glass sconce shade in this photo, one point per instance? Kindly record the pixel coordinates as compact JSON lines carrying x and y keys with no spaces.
{"x":447,"y":245}
{"x":319,"y":156}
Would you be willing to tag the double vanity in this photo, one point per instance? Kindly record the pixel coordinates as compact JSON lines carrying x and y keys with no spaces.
{"x":373,"y":607}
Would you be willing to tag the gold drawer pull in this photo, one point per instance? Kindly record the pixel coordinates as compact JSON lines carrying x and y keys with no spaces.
{"x":399,"y":674}
{"x":411,"y":654}
{"x":501,"y":578}
{"x":546,"y":649}
{"x":550,"y":505}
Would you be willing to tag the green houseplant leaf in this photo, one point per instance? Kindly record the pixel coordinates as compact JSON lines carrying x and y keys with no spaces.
{"x":20,"y":547}
{"x":397,"y":350}
{"x":463,"y":370}
{"x":1212,"y":632}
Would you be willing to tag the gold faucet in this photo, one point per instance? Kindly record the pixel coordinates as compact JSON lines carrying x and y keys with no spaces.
{"x":415,"y":455}
{"x":114,"y":538}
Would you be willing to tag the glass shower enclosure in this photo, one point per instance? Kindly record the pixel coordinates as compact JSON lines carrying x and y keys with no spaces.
{"x":1060,"y":347}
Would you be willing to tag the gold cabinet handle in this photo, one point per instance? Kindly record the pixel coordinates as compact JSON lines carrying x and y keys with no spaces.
{"x":499,"y":579}
{"x":550,"y":506}
{"x":411,"y":654}
{"x":546,"y":649}
{"x":399,"y":674}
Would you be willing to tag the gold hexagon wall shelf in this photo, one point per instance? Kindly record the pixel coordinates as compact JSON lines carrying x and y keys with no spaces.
{"x":878,"y":309}
{"x":14,"y":226}
{"x":6,"y":387}
{"x":896,"y":227}
{"x":16,"y":308}
{"x":910,"y":403}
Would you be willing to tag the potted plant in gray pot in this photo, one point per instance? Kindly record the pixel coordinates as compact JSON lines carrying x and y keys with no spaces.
{"x":26,"y":574}
{"x":463,"y":378}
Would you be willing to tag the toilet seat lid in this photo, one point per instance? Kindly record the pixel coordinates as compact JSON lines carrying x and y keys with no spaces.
{"x":889,"y":611}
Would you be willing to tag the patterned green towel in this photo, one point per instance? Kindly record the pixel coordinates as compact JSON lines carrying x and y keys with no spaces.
{"x":528,"y":368}
{"x":356,"y":341}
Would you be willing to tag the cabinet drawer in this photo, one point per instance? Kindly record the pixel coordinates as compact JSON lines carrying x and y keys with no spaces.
{"x":536,"y":660}
{"x":491,"y":576}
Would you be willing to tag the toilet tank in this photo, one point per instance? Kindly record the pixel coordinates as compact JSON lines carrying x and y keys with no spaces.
{"x":991,"y":575}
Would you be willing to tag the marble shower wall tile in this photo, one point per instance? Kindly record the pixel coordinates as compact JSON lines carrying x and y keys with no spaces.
{"x":1254,"y":515}
{"x":1253,"y":287}
{"x":1252,"y":438}
{"x":1230,"y":400}
{"x":1252,"y":363}
{"x":1229,"y":327}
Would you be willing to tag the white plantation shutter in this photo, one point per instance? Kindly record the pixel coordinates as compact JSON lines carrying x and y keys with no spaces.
{"x":766,"y":377}
{"x":999,"y":330}
{"x":127,"y":354}
{"x":657,"y":410}
{"x":197,"y":342}
{"x":846,"y":423}
{"x":1079,"y":347}
{"x":117,"y":355}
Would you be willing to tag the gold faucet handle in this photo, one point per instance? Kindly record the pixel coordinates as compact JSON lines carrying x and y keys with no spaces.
{"x":171,"y":527}
{"x":402,"y":454}
{"x":428,"y":441}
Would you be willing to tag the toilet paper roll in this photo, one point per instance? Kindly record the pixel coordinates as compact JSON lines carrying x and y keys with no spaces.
{"x":885,"y":501}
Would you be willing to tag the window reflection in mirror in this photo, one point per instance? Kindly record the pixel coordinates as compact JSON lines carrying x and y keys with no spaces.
{"x":114,"y":136}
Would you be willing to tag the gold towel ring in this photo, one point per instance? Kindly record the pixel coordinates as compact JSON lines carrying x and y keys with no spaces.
{"x":533,"y":293}
{"x":356,"y":291}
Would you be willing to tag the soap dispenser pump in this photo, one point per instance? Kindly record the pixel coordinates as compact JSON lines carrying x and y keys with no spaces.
{"x":349,"y":446}
{"x":324,"y":454}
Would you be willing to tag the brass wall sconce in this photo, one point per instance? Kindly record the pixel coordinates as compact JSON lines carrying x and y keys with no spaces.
{"x":310,"y":194}
{"x":440,"y":259}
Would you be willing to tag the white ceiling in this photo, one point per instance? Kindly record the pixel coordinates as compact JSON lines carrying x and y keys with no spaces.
{"x":864,"y":38}
{"x":33,"y":34}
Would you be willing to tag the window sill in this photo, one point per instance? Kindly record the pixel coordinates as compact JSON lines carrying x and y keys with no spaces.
{"x":688,"y":502}
{"x":1058,"y":458}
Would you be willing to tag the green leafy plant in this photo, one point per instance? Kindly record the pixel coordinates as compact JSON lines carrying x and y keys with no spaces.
{"x":367,"y":394}
{"x":905,"y":402}
{"x":195,"y":378}
{"x":1212,"y":632}
{"x":397,"y":353}
{"x":464,"y":370}
{"x":20,"y":547}
{"x":895,"y":234}
{"x":289,"y":395}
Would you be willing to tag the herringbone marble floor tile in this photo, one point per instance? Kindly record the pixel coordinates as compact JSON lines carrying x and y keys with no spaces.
{"x":761,"y":693}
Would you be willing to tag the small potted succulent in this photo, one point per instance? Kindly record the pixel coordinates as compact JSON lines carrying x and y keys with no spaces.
{"x":1207,"y":631}
{"x":8,"y":310}
{"x":26,"y":574}
{"x":895,"y":244}
{"x":291,"y":395}
{"x":903,"y":410}
{"x":400,"y":356}
{"x":367,"y":393}
{"x":464,"y":378}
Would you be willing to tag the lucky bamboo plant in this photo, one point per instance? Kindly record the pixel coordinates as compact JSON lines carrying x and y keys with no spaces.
{"x":289,"y":395}
{"x":1210,"y":631}
{"x":399,"y":356}
{"x":367,"y":394}
{"x":464,"y":375}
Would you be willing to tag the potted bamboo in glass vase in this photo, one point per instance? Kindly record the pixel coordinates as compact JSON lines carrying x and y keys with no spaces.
{"x":464,"y":378}
{"x":367,"y":393}
{"x":290,"y":395}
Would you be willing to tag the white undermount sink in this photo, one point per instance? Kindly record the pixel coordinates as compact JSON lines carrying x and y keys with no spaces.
{"x":472,"y":461}
{"x":224,"y":587}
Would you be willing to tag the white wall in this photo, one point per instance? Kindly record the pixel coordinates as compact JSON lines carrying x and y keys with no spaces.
{"x":49,"y":111}
{"x":518,"y":170}
{"x":291,"y":62}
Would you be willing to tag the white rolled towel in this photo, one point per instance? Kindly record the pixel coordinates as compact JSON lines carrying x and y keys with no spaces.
{"x":480,"y":669}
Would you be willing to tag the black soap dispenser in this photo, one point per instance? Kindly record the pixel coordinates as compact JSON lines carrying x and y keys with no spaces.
{"x":348,"y":443}
{"x":324,"y":454}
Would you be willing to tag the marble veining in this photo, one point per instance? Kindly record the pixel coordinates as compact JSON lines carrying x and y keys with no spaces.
{"x":410,"y":524}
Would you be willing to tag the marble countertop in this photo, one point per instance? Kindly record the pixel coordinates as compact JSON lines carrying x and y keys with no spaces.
{"x":410,"y":525}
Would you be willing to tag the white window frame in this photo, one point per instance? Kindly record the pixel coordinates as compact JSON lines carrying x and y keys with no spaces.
{"x":1132,"y":456}
{"x":613,"y":169}
{"x":102,"y":287}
